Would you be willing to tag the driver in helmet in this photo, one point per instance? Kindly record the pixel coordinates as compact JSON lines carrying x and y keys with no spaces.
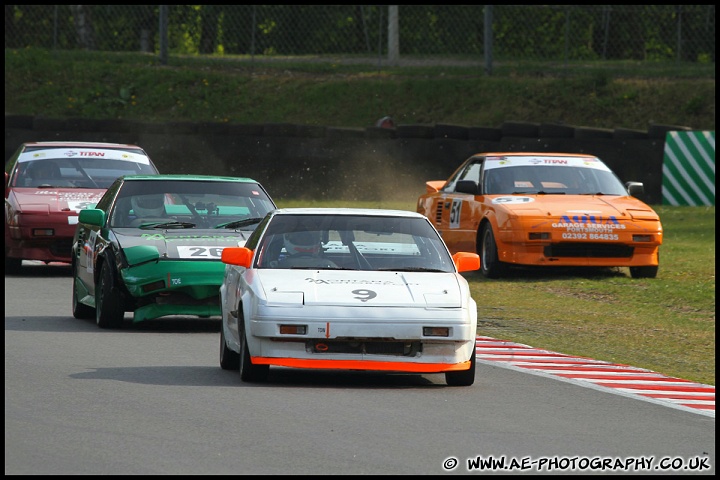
{"x":42,"y":172}
{"x":149,"y":206}
{"x":304,"y":249}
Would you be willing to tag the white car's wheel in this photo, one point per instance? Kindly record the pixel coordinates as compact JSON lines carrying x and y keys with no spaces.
{"x":229,"y":360}
{"x":464,"y":378}
{"x":248,"y":371}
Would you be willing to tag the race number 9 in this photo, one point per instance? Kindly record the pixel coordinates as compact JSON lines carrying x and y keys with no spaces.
{"x":364,"y":295}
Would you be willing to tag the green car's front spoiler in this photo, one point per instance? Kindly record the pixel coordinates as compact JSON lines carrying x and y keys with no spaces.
{"x":152,"y":311}
{"x":187,"y":286}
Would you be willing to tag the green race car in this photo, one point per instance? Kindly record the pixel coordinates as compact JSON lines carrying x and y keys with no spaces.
{"x":152,"y":245}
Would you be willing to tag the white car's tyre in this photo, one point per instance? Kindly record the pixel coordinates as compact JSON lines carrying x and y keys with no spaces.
{"x":248,"y":371}
{"x":229,"y":360}
{"x":464,"y":378}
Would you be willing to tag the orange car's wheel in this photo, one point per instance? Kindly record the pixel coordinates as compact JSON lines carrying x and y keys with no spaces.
{"x":643,"y":272}
{"x":490,"y":265}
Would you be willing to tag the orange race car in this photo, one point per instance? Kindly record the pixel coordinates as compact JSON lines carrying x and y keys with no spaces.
{"x":544,"y":209}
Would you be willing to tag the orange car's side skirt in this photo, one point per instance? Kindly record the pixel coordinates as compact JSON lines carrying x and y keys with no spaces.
{"x":362,"y":365}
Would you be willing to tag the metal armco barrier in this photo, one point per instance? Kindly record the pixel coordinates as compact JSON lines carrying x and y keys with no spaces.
{"x":689,"y":168}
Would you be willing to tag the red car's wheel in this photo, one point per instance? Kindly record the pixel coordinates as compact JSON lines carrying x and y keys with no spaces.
{"x":13,"y":266}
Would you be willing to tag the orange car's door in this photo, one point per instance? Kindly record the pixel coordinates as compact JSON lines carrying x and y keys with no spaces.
{"x":456,"y":214}
{"x":459,"y":214}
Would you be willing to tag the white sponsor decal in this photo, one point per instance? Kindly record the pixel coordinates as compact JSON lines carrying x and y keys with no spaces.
{"x":80,"y":204}
{"x":84,"y":153}
{"x":512,"y":199}
{"x":200,"y":251}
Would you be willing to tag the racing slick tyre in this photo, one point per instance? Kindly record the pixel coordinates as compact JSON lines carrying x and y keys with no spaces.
{"x":13,"y":266}
{"x":80,"y":310}
{"x":490,"y":265}
{"x":464,"y":378}
{"x":643,"y":272}
{"x":249,"y":372}
{"x":108,"y":304}
{"x":229,"y":360}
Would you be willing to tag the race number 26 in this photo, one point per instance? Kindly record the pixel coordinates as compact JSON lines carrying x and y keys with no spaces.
{"x":186,"y":251}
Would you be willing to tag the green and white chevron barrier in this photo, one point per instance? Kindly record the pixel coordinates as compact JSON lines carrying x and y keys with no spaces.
{"x":689,"y":168}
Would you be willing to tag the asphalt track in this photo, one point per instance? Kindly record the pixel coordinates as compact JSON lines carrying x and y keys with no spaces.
{"x":616,"y":378}
{"x":620,"y":379}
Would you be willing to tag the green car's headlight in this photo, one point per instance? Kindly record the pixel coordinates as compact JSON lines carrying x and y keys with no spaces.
{"x":141,"y":254}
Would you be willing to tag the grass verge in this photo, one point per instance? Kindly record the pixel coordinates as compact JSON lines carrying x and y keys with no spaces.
{"x":341,"y":93}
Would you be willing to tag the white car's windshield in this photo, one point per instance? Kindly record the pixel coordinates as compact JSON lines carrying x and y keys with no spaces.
{"x":354,"y":242}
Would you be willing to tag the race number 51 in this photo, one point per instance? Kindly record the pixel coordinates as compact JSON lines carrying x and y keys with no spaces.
{"x":455,"y":213}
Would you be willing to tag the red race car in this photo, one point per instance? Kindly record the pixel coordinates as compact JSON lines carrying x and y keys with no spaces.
{"x":46,"y":186}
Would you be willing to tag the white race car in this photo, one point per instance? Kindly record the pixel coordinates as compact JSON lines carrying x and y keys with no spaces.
{"x":347,"y":289}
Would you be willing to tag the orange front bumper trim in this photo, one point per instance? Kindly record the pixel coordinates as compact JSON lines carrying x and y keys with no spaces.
{"x":362,"y":365}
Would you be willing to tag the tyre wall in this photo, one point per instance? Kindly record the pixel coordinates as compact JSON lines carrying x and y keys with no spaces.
{"x":374,"y":163}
